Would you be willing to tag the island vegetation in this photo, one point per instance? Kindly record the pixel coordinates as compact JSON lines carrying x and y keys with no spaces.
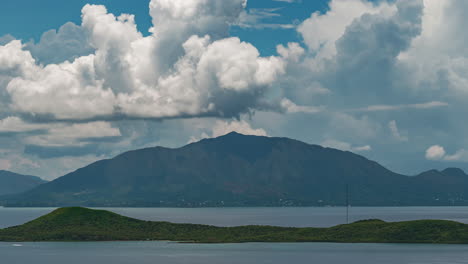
{"x":83,"y":224}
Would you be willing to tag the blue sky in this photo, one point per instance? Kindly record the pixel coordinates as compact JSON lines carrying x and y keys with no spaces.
{"x":41,"y":16}
{"x":385,"y":79}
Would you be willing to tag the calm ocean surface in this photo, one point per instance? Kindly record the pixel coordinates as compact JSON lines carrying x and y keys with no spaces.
{"x":257,"y":253}
{"x":168,"y":252}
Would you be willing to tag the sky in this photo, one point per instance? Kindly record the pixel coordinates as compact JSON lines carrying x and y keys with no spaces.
{"x":85,"y":80}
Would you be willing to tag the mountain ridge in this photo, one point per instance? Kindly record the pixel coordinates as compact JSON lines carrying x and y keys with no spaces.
{"x":12,"y":183}
{"x":241,"y":170}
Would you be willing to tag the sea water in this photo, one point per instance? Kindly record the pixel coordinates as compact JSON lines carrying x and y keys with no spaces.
{"x":254,"y":253}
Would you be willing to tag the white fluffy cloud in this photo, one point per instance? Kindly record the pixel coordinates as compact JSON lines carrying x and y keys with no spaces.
{"x":68,"y":86}
{"x":437,"y":59}
{"x":321,"y":31}
{"x":14,"y":62}
{"x":67,"y":43}
{"x":435,"y":152}
{"x":187,"y":67}
{"x":292,"y":52}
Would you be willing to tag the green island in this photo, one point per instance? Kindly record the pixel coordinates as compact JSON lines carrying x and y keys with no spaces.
{"x":82,"y":224}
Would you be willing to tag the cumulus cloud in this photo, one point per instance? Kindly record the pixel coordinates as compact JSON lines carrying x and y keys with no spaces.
{"x":433,"y":63}
{"x":67,"y":43}
{"x":292,"y":52}
{"x":187,"y":67}
{"x":67,"y":85}
{"x":353,"y":49}
{"x":382,"y":53}
{"x":372,"y":44}
{"x":175,"y":21}
{"x":321,"y":31}
{"x":435,"y":152}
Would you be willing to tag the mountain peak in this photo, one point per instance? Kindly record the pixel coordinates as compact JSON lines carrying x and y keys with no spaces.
{"x":454,"y":172}
{"x":229,"y":136}
{"x":234,"y":133}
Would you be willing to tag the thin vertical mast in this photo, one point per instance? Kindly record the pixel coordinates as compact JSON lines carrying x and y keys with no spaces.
{"x":347,"y":204}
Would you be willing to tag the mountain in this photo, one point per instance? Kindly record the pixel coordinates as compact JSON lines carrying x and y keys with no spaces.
{"x":449,"y":185}
{"x":82,"y":224}
{"x":239,"y":170}
{"x":11,"y":183}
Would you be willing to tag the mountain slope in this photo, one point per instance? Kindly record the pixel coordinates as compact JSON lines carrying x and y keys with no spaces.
{"x":239,"y":170}
{"x":448,"y":185}
{"x":11,"y":183}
